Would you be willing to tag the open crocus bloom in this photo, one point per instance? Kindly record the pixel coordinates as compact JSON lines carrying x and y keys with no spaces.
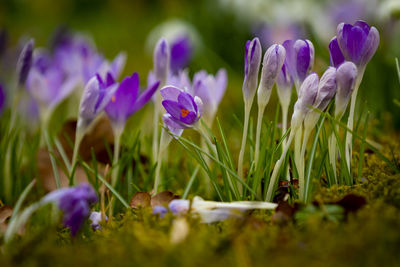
{"x":126,"y":100}
{"x":183,"y":111}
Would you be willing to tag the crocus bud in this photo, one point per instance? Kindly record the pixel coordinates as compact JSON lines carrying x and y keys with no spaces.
{"x":307,"y":95}
{"x":358,"y":42}
{"x":272,"y":64}
{"x":284,"y":84}
{"x":299,"y":59}
{"x":252,"y":60}
{"x":336,"y":55}
{"x":326,"y":89}
{"x":161,"y":61}
{"x":25,"y":61}
{"x":346,"y":77}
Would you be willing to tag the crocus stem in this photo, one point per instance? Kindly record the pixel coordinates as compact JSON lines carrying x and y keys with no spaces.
{"x":247,"y":107}
{"x":155,"y":128}
{"x":284,"y":129}
{"x":350,"y":121}
{"x":297,"y":147}
{"x":117,"y":146}
{"x":261,"y":109}
{"x":206,"y":138}
{"x":307,"y":132}
{"x":332,"y":154}
{"x":277,"y":167}
{"x":164,"y":142}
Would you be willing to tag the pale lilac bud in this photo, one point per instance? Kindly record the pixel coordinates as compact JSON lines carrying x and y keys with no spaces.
{"x":252,"y":60}
{"x":178,"y":206}
{"x":307,"y":95}
{"x":272,"y":65}
{"x":346,"y":76}
{"x":161,"y":61}
{"x":25,"y":61}
{"x":326,"y":89}
{"x":284,"y":84}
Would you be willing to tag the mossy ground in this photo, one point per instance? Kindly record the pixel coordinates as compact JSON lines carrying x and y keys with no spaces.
{"x":368,"y":237}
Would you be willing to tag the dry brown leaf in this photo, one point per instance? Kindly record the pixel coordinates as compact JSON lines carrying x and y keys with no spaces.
{"x":163,"y":198}
{"x":140,"y":199}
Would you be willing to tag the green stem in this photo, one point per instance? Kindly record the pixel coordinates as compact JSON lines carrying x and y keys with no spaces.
{"x":258,"y":134}
{"x":164,"y":142}
{"x":247,"y":107}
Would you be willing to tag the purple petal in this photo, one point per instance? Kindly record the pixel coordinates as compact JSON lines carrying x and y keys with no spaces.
{"x":199,"y":104}
{"x":221,"y":79}
{"x":327,"y":88}
{"x":2,"y":98}
{"x":336,"y":56}
{"x":122,"y":101}
{"x":181,"y":52}
{"x":187,"y":101}
{"x":303,"y":59}
{"x":370,"y":47}
{"x":188,"y":118}
{"x":161,"y":60}
{"x":174,"y":126}
{"x":173,"y":108}
{"x":145,"y":96}
{"x":363,"y":25}
{"x":89,"y":99}
{"x":118,"y":64}
{"x":170,"y":93}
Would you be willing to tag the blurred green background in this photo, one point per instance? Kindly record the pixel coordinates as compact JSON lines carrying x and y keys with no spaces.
{"x":222,"y":28}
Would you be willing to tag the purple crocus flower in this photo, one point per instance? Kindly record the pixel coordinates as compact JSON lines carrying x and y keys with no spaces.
{"x":181,"y":53}
{"x":75,"y":203}
{"x":161,"y":61}
{"x":299,"y":59}
{"x":346,"y":76}
{"x":358,"y":42}
{"x":210,"y":90}
{"x":160,"y":210}
{"x":2,"y":98}
{"x":126,"y":100}
{"x":183,"y":110}
{"x":47,"y":83}
{"x":96,"y":96}
{"x":25,"y":61}
{"x":252,"y":60}
{"x":326,"y":89}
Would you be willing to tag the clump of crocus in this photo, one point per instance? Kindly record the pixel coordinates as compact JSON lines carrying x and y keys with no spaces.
{"x":299,"y":62}
{"x":356,"y":43}
{"x":183,"y":111}
{"x":326,"y":90}
{"x":74,"y":202}
{"x":346,"y":76}
{"x":96,"y":96}
{"x":307,"y":95}
{"x":252,"y":60}
{"x":272,"y":64}
{"x":124,"y":102}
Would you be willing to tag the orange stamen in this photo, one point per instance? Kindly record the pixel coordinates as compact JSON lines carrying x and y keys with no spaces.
{"x":113,"y":98}
{"x":184,"y":112}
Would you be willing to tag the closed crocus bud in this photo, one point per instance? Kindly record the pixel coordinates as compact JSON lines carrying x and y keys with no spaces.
{"x":357,"y":42}
{"x":299,"y":59}
{"x":307,"y":95}
{"x":284,"y":84}
{"x":161,"y":61}
{"x":272,"y":65}
{"x":252,"y":60}
{"x":346,"y":77}
{"x":335,"y":54}
{"x":326,"y":89}
{"x":25,"y":61}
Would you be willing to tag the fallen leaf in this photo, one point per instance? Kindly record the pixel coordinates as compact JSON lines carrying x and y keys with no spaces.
{"x":140,"y":199}
{"x":163,"y":198}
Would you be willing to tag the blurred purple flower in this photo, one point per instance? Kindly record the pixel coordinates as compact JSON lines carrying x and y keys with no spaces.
{"x":25,"y":61}
{"x":276,"y":34}
{"x":179,"y":206}
{"x":210,"y":90}
{"x":75,"y":203}
{"x":47,"y":83}
{"x":161,"y":61}
{"x":181,"y":53}
{"x":183,"y":111}
{"x":299,"y":59}
{"x":2,"y":98}
{"x":95,"y":218}
{"x":357,"y":42}
{"x":160,"y":210}
{"x":126,"y":100}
